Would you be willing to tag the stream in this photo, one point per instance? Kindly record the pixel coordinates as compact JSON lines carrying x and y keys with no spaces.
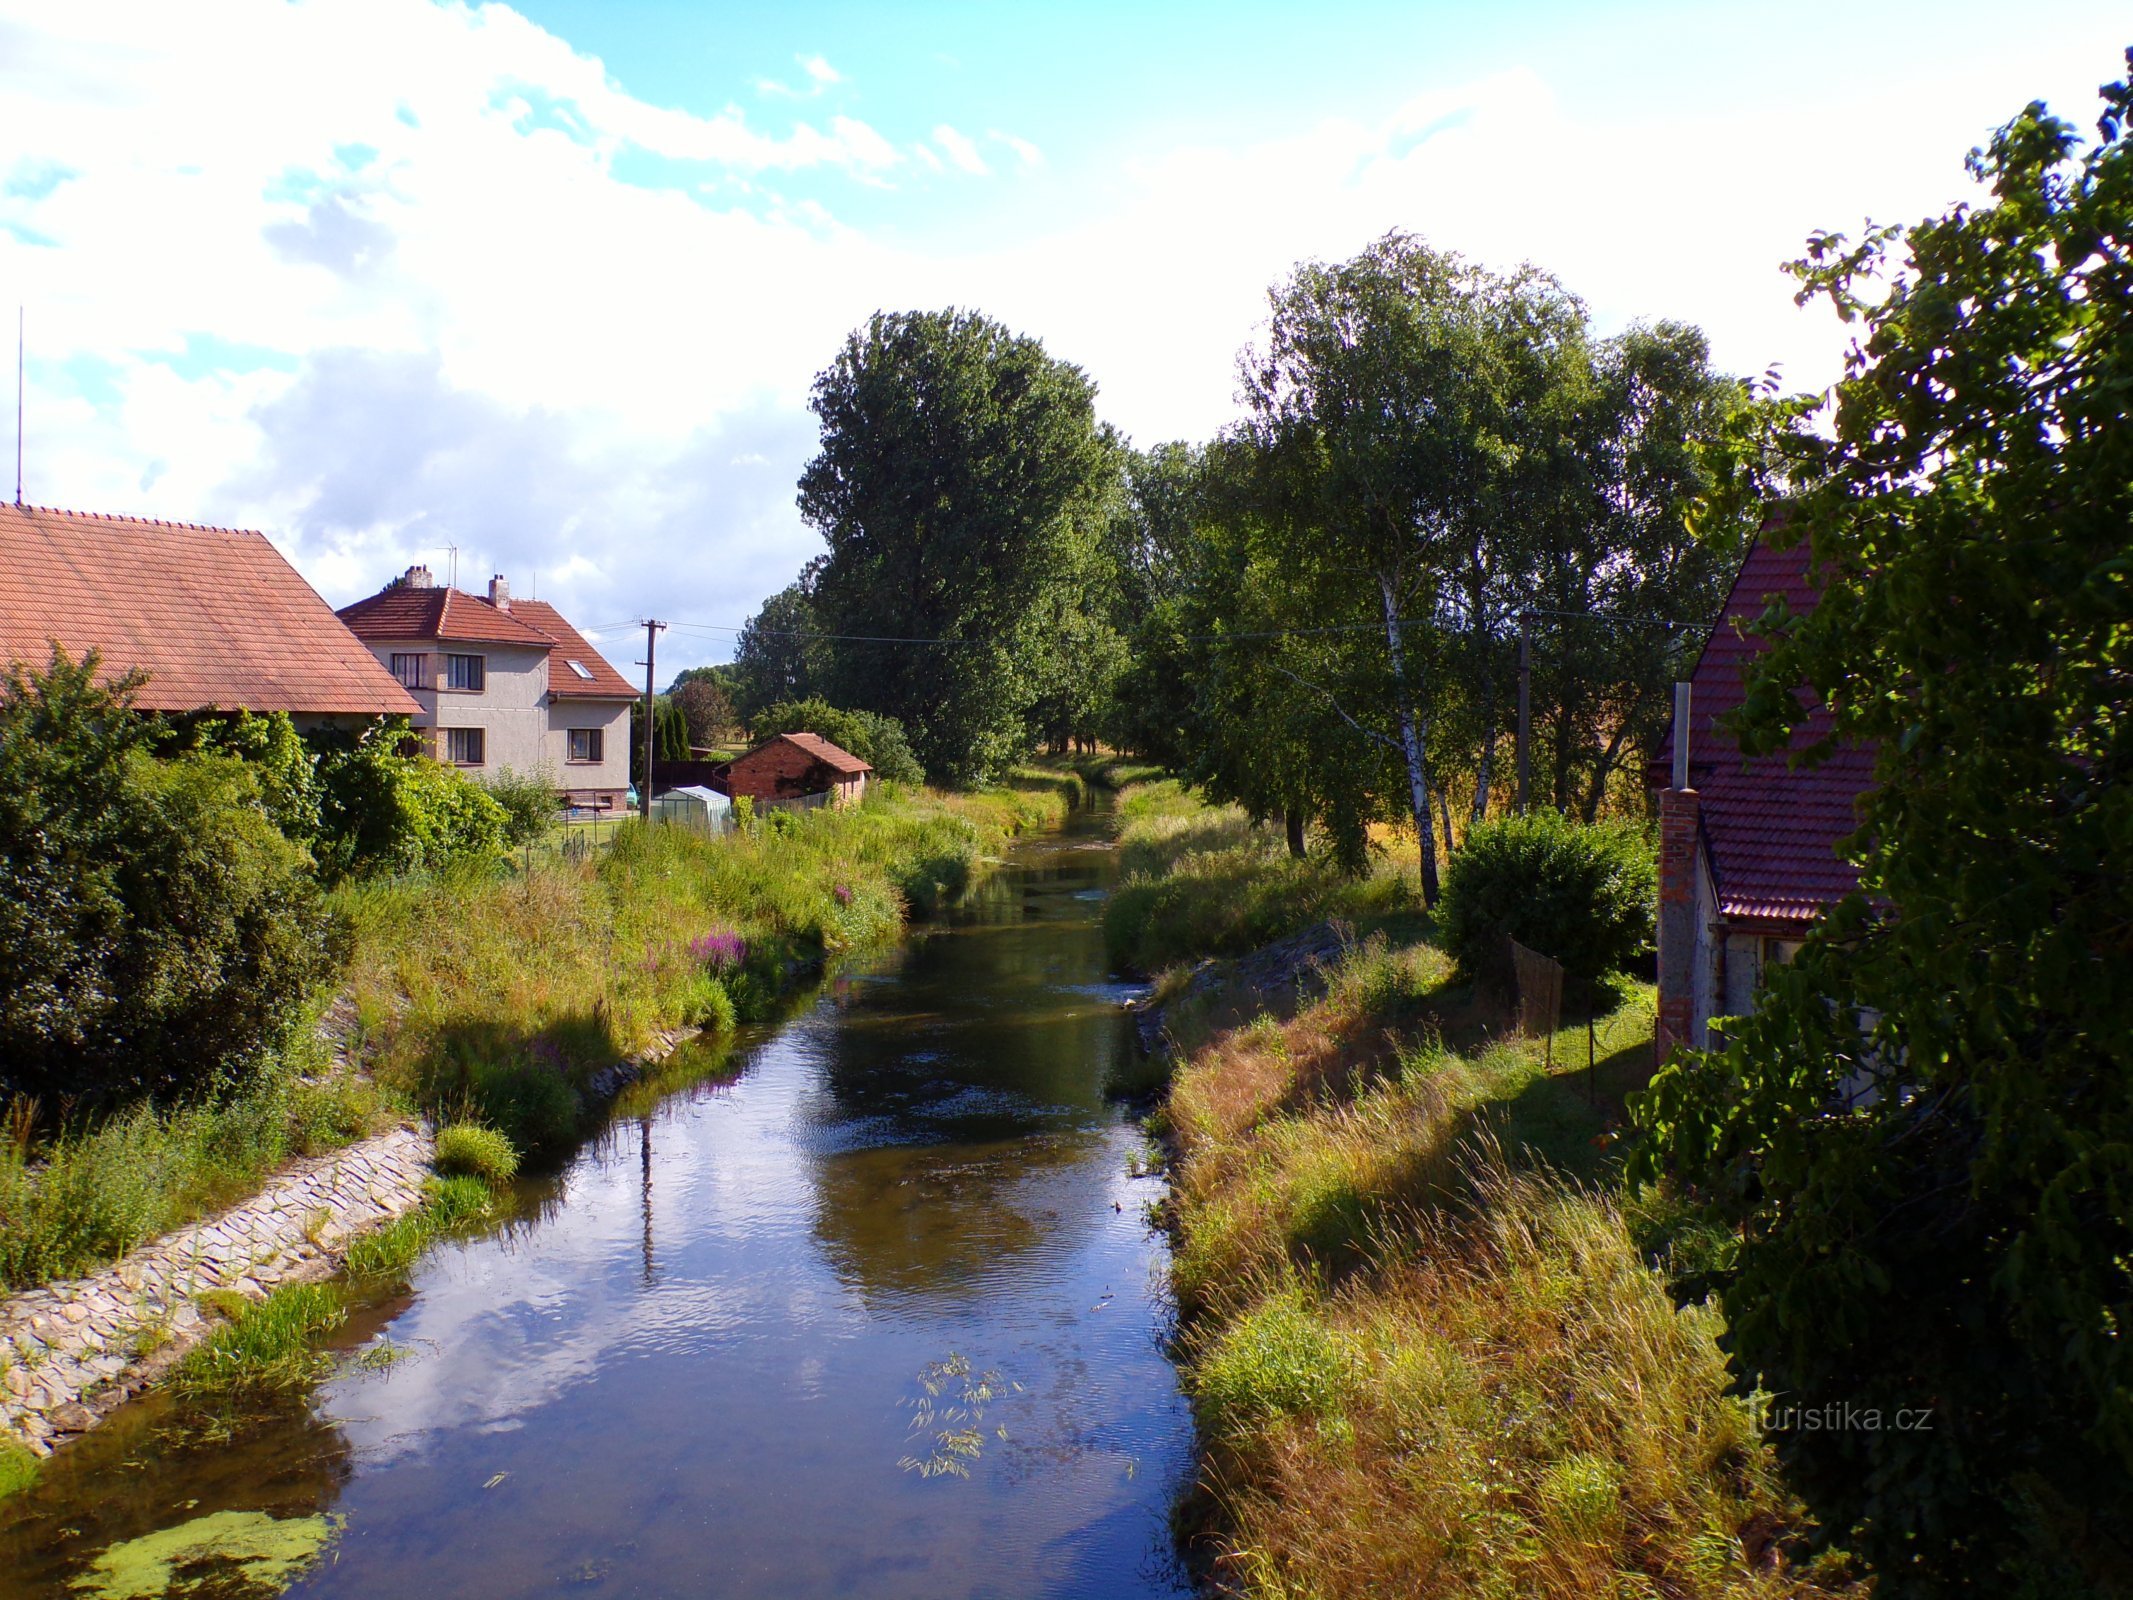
{"x":869,"y":1305}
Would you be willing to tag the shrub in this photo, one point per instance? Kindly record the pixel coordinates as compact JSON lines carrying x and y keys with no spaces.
{"x":383,"y":811}
{"x":157,"y":932}
{"x":1581,"y":894}
{"x":528,"y":1101}
{"x":529,"y":804}
{"x":476,"y":1152}
{"x":875,"y":739}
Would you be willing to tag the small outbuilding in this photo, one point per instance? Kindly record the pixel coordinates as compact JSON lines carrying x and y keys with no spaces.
{"x":792,"y":766}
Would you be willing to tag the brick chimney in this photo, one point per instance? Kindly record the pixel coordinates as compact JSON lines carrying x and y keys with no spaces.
{"x":418,"y":577}
{"x":499,"y":593}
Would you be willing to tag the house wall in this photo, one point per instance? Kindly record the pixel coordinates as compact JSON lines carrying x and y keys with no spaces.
{"x":610,"y":775}
{"x":777,"y":771}
{"x":510,"y":708}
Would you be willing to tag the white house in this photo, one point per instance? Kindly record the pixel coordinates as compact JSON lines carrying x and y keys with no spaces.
{"x":503,"y":684}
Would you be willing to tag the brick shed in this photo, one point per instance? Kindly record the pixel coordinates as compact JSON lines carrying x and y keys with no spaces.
{"x":1748,"y":856}
{"x":788,"y":766}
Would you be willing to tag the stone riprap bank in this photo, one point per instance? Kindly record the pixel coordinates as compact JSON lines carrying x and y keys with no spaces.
{"x":71,"y":1352}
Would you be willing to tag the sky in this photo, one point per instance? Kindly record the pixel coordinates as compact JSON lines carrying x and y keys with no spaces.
{"x":549,"y":283}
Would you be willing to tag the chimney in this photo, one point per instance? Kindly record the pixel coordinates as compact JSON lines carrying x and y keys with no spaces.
{"x":419,"y":577}
{"x":499,"y":593}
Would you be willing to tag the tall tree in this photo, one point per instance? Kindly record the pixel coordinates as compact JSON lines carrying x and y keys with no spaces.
{"x":960,"y":475}
{"x":1389,"y":409}
{"x":780,"y":653}
{"x":1956,"y":1244}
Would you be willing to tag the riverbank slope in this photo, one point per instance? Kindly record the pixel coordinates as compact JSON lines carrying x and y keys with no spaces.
{"x":1425,"y":1342}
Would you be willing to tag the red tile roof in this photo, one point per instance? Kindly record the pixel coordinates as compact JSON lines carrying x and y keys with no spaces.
{"x":570,"y":645}
{"x":835,"y":757}
{"x":402,"y":612}
{"x":216,"y":616}
{"x":406,"y":613}
{"x":1771,"y":831}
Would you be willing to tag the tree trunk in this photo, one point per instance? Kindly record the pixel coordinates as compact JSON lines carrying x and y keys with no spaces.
{"x":1606,"y":765}
{"x":1293,"y":820}
{"x":1444,"y":813}
{"x":1488,"y":757}
{"x":1412,"y":730}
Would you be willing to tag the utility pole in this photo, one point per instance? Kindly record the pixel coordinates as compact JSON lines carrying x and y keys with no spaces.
{"x":1525,"y":704}
{"x":652,"y":630}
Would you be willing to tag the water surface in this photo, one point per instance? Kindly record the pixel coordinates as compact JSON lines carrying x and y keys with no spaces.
{"x":695,"y":1363}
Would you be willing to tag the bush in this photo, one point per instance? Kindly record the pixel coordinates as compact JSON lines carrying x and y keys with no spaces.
{"x":475,"y":1152}
{"x":529,"y":803}
{"x":384,"y":812}
{"x":1278,"y":1359}
{"x":158,"y":934}
{"x":1581,"y":894}
{"x":877,"y":740}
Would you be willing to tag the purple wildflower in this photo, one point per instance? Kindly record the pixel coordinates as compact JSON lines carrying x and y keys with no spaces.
{"x":843,"y":892}
{"x":719,"y":950}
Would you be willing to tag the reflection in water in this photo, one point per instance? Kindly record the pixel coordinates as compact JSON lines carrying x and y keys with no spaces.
{"x":687,"y":1368}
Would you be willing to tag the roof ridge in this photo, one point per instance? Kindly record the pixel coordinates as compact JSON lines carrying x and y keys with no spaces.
{"x":124,"y":516}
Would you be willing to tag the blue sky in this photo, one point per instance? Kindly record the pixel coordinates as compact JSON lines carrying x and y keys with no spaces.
{"x":549,"y":282}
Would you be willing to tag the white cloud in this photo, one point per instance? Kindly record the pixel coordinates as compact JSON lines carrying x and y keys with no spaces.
{"x":820,"y":76}
{"x":1025,"y":152}
{"x":960,"y":149}
{"x":819,"y":70}
{"x":372,"y":274}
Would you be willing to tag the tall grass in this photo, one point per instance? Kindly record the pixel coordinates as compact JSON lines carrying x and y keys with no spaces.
{"x":491,"y":997}
{"x":78,"y":1198}
{"x":1200,"y":880}
{"x":1426,"y":1361}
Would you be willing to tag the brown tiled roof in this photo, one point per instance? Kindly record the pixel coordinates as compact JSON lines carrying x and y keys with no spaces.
{"x":215,"y":616}
{"x":402,"y":612}
{"x":604,"y":684}
{"x":835,"y":757}
{"x":1771,"y":830}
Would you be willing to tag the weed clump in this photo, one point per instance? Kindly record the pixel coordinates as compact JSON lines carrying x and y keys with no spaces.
{"x":268,"y":1345}
{"x":476,"y":1152}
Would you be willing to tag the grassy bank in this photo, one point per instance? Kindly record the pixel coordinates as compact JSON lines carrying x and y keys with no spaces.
{"x":83,"y":1196}
{"x":1202,"y":880}
{"x":492,"y":995}
{"x":492,"y":998}
{"x":1427,"y":1352}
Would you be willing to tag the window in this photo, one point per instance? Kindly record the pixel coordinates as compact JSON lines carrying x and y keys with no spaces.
{"x":586,"y":743}
{"x":581,"y":669}
{"x":464,"y":672}
{"x":411,"y":669}
{"x":463,"y":747}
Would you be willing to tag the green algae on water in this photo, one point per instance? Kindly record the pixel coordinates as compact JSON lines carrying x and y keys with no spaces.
{"x":260,"y":1552}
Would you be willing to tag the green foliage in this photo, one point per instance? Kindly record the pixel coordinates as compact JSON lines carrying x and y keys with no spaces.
{"x":528,"y":800}
{"x":1957,"y":1238}
{"x":961,"y":482}
{"x":709,"y":1005}
{"x":451,"y":1204}
{"x":268,"y":1345}
{"x":875,"y":739}
{"x":1583,"y":894}
{"x":18,"y":1468}
{"x":1276,"y":1360}
{"x":269,"y":745}
{"x":778,"y":656}
{"x":706,"y":706}
{"x":386,"y":812}
{"x":475,"y":1152}
{"x":84,"y":1197}
{"x":157,"y":932}
{"x":670,"y":737}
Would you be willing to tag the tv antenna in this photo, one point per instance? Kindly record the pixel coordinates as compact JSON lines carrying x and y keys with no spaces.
{"x":18,"y":403}
{"x":453,"y":580}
